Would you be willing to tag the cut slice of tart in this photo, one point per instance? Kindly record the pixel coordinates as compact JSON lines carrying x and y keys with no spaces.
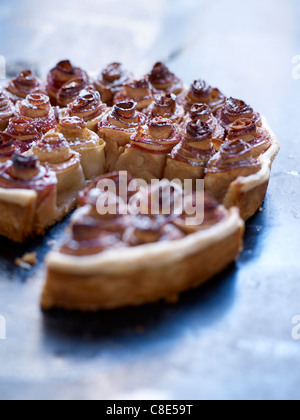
{"x":28,"y":194}
{"x":114,"y":261}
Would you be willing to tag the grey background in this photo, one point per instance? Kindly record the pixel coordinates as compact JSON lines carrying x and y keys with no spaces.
{"x":231,"y":339}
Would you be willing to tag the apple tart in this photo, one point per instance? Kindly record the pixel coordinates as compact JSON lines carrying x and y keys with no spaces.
{"x":88,"y":135}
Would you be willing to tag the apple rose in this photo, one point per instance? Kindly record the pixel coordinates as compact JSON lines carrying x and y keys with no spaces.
{"x":247,"y":130}
{"x":233,"y":161}
{"x":70,"y":91}
{"x":234,"y":109}
{"x":24,"y":131}
{"x":37,"y":106}
{"x":189,"y":158}
{"x":139,"y":91}
{"x":63,"y":73}
{"x":202,"y":93}
{"x":117,"y":128}
{"x":203,"y":113}
{"x":7,"y":110}
{"x":165,"y":106}
{"x":23,"y":85}
{"x":89,"y":107}
{"x":162,"y":79}
{"x":111,"y":81}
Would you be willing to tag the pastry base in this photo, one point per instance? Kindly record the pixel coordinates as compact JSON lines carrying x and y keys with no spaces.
{"x":176,"y":169}
{"x":142,"y":165}
{"x":20,"y":217}
{"x":145,"y":274}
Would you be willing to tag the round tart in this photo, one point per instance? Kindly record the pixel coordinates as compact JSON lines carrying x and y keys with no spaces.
{"x":123,"y":149}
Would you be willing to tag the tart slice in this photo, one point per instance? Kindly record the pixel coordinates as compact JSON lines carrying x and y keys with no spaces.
{"x":28,"y":193}
{"x":120,"y":260}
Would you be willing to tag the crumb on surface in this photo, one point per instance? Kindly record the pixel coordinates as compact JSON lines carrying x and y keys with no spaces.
{"x":261,"y":209}
{"x":27,"y":261}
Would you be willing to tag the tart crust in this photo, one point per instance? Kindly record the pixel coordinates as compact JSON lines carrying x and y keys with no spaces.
{"x":132,"y":277}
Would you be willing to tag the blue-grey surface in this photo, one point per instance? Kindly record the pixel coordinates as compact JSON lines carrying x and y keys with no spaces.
{"x":232,"y":338}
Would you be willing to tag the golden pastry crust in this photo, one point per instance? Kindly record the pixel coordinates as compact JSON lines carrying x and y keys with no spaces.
{"x":117,"y":128}
{"x":85,"y":142}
